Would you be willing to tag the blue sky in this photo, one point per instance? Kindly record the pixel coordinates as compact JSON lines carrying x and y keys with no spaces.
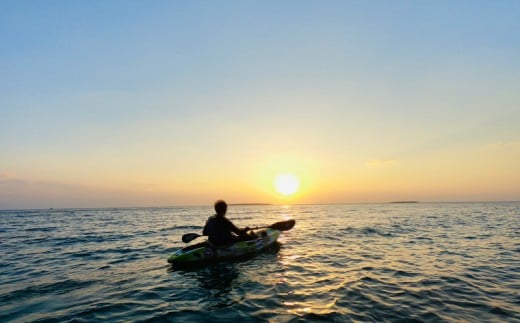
{"x":106,"y":95}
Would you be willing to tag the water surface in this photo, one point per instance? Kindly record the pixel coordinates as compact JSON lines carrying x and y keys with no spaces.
{"x":372,"y":262}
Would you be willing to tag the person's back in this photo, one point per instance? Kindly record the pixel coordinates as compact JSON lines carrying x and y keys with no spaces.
{"x":219,"y":229}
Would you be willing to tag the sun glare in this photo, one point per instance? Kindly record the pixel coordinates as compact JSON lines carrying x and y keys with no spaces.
{"x":286,"y":184}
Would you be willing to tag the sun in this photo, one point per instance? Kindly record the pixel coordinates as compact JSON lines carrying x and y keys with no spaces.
{"x":286,"y":184}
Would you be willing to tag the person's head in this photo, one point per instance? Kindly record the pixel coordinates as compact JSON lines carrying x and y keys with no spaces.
{"x":220,"y":207}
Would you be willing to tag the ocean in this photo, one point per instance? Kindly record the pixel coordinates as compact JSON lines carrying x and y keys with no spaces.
{"x":431,"y":262}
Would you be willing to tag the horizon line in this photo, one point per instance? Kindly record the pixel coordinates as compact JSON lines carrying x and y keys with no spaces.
{"x":255,"y":204}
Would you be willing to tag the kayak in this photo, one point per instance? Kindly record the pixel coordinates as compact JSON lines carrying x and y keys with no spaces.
{"x":204,"y":252}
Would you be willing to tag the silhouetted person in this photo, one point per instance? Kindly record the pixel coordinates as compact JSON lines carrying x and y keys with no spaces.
{"x":220,"y":230}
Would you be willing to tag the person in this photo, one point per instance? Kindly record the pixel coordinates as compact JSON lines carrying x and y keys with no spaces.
{"x":220,"y":230}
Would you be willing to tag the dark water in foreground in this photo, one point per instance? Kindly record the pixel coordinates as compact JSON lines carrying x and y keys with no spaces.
{"x":387,"y":262}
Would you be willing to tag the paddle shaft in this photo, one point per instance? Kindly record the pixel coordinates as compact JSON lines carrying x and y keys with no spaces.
{"x":281,"y":226}
{"x":189,"y":237}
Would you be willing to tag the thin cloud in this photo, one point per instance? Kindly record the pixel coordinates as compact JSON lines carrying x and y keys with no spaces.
{"x":380,"y":162}
{"x":504,"y":144}
{"x":7,"y":178}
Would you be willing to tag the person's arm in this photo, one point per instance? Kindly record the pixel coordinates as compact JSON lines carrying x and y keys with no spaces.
{"x":236,"y":230}
{"x":206,"y":230}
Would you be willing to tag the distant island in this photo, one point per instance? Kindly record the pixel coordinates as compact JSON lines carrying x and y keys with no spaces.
{"x":397,"y":202}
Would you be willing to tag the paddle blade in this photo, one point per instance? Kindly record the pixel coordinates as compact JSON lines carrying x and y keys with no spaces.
{"x":188,"y":237}
{"x":283,"y":225}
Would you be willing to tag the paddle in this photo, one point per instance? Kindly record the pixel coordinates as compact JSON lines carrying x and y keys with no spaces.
{"x":280,"y":226}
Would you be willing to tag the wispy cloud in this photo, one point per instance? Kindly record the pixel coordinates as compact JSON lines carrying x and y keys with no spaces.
{"x":6,"y":177}
{"x":380,"y":162}
{"x":504,"y":144}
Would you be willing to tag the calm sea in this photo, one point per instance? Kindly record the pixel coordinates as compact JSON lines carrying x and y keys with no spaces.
{"x":372,"y":262}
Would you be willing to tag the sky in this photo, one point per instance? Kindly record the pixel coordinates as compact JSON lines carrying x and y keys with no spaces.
{"x":159,"y":103}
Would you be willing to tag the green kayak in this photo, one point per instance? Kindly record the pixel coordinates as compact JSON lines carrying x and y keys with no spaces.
{"x":204,"y":252}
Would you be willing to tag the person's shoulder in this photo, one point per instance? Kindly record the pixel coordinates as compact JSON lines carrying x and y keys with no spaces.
{"x":228,"y":221}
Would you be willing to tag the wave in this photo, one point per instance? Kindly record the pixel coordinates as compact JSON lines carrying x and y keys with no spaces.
{"x":367,"y":231}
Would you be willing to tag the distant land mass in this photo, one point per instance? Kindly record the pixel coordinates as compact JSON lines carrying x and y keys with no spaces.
{"x":397,"y":202}
{"x":250,"y":204}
